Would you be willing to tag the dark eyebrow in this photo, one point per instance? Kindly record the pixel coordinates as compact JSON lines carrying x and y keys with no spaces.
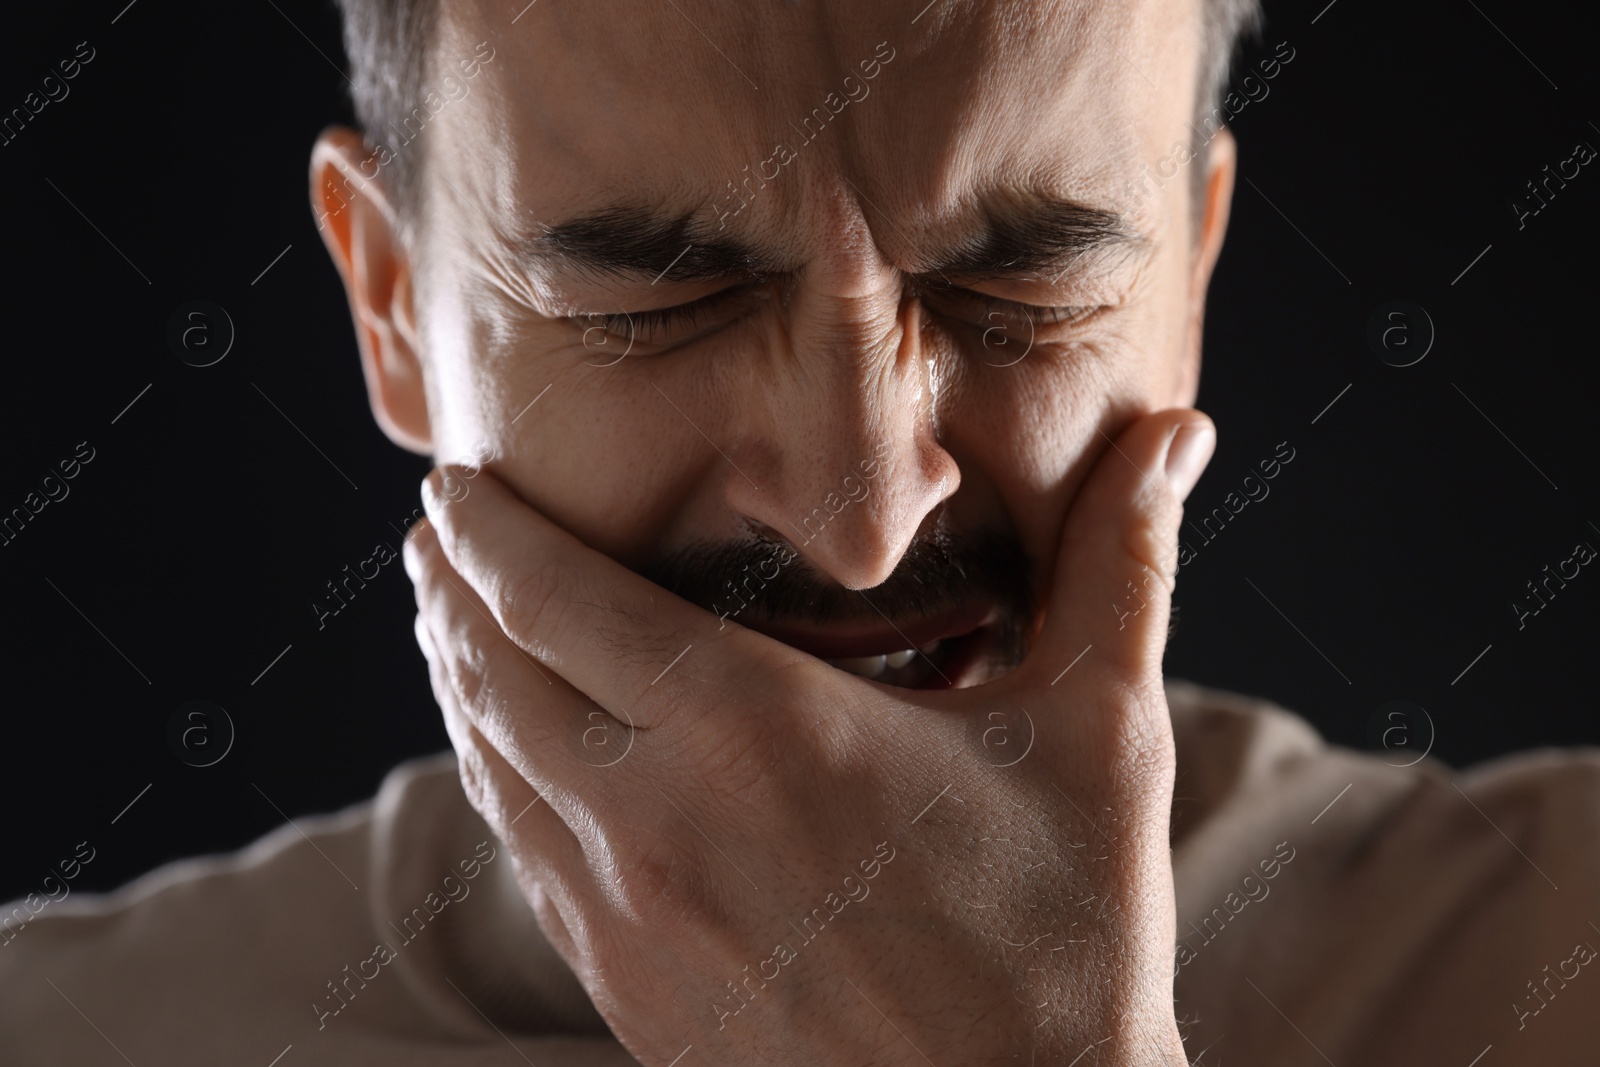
{"x":1015,"y":238}
{"x":1032,"y":237}
{"x":629,"y":243}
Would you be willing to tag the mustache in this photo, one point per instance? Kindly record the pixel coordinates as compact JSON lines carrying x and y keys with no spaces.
{"x":769,"y":578}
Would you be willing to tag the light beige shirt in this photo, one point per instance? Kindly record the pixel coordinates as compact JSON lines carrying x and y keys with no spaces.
{"x":1332,"y":909}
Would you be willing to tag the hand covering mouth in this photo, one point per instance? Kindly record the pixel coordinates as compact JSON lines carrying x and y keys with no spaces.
{"x":918,"y":653}
{"x":955,"y":610}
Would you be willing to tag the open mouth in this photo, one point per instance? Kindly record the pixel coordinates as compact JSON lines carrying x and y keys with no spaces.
{"x":925,"y":653}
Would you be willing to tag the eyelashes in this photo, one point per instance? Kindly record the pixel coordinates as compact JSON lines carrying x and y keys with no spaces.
{"x":984,"y":312}
{"x":684,"y":323}
{"x":677,"y":324}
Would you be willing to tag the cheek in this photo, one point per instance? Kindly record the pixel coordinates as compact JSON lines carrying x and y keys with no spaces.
{"x":594,"y":448}
{"x":1027,"y":435}
{"x":613,"y":462}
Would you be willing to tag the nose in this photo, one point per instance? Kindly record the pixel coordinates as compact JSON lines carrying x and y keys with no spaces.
{"x":841,"y":431}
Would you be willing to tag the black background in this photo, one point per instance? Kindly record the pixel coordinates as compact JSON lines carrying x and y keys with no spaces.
{"x":185,"y":557}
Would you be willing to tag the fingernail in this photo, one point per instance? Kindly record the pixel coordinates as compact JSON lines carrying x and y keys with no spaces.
{"x":430,"y":493}
{"x":1188,"y":455}
{"x":411,"y":556}
{"x":412,"y":547}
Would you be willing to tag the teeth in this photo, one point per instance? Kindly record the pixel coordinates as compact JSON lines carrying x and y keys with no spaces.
{"x":865,"y":666}
{"x":874,"y":666}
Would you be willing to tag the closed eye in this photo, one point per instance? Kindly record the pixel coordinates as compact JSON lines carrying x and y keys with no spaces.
{"x":683,"y":323}
{"x":678,"y":324}
{"x":983,"y":312}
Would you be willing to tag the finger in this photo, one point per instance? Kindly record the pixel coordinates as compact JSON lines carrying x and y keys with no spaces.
{"x":1113,"y":581}
{"x":513,"y":809}
{"x":556,"y":875}
{"x":620,"y":639}
{"x":534,"y":720}
{"x":548,"y":914}
{"x":540,"y":841}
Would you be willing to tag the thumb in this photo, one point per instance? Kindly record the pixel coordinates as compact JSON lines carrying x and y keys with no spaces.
{"x":1112,"y":589}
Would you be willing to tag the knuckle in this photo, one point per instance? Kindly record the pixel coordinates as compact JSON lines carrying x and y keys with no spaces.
{"x":629,"y":630}
{"x":533,"y":604}
{"x":1149,"y":544}
{"x":468,"y":676}
{"x":470,"y":767}
{"x":482,"y":692}
{"x":663,"y":879}
{"x":419,"y":630}
{"x":427,"y":566}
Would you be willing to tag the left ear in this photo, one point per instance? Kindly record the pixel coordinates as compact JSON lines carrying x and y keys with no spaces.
{"x":1221,"y":168}
{"x":361,"y":229}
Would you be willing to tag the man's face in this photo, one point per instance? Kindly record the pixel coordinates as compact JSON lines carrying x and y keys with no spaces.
{"x":778,"y":304}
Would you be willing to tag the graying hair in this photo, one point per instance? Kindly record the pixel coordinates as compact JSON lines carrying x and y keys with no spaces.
{"x":387,"y":45}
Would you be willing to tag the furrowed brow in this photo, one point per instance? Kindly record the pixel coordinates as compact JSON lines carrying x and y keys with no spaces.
{"x":1040,"y":237}
{"x":625,"y":244}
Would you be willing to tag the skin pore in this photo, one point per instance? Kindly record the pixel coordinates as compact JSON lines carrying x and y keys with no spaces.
{"x":964,"y":275}
{"x":917,"y":329}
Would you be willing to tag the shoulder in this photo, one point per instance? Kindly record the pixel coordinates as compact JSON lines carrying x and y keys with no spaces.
{"x":1229,"y":745}
{"x":1397,"y":906}
{"x":1244,"y":760}
{"x":234,"y":958}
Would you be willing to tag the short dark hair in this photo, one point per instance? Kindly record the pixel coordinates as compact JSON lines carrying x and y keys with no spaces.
{"x":387,"y":45}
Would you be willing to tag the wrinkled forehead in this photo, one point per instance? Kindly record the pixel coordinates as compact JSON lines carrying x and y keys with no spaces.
{"x":664,"y":103}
